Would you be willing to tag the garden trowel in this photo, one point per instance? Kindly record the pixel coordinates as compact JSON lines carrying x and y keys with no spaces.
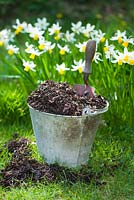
{"x":86,"y":89}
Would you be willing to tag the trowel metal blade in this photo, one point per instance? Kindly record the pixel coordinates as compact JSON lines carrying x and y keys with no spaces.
{"x":83,"y":90}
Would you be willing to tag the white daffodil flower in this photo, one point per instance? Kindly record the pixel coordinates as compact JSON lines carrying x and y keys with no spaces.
{"x":58,"y":36}
{"x":2,"y":42}
{"x":50,"y":47}
{"x":131,"y":58}
{"x":34,"y":32}
{"x":109,"y":50}
{"x":61,"y":68}
{"x":98,"y":36}
{"x":41,"y":24}
{"x":19,"y":27}
{"x":81,"y":46}
{"x":118,"y":58}
{"x":54,"y":29}
{"x":69,"y":37}
{"x":86,"y":30}
{"x":97,"y":57}
{"x":63,"y":50}
{"x":76,"y":28}
{"x":6,"y":36}
{"x":42,"y":44}
{"x":45,"y":45}
{"x":12,"y":49}
{"x":119,"y":36}
{"x":125,"y":57}
{"x":126,"y":41}
{"x":32,"y":51}
{"x":29,"y":28}
{"x":28,"y":65}
{"x":29,"y":47}
{"x":78,"y":66}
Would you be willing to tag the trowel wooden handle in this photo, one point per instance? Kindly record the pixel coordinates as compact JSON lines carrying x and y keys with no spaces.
{"x":89,"y":54}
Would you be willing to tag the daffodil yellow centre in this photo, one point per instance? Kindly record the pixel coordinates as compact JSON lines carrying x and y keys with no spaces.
{"x":1,"y":43}
{"x":18,"y":30}
{"x":27,"y":68}
{"x":57,"y":37}
{"x":119,"y":62}
{"x":102,"y":39}
{"x":32,"y":56}
{"x":36,"y":37}
{"x":126,"y":57}
{"x":131,"y":61}
{"x":119,"y":40}
{"x":41,"y":46}
{"x":27,"y":49}
{"x":80,"y":69}
{"x":57,"y":32}
{"x":50,"y":51}
{"x":62,"y":52}
{"x":85,"y":34}
{"x":61,"y":72}
{"x":83,"y":49}
{"x":59,"y":15}
{"x":10,"y":52}
{"x":105,"y":49}
{"x":125,"y":44}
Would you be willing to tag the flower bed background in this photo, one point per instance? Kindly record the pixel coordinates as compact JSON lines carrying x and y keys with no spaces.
{"x":42,"y":50}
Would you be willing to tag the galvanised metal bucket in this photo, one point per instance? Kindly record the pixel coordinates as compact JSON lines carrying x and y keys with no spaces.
{"x":66,"y":140}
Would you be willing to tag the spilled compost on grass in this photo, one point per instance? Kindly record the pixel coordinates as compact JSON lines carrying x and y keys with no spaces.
{"x":22,"y":168}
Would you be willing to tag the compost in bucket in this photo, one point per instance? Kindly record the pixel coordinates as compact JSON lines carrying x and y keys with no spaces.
{"x":62,"y":99}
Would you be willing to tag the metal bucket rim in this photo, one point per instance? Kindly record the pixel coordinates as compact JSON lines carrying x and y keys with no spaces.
{"x":97,"y":112}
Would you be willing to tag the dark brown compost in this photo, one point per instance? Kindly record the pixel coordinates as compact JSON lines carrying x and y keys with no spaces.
{"x":22,"y":168}
{"x":60,"y":98}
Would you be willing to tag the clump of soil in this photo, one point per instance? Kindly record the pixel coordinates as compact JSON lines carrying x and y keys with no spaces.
{"x":60,"y":98}
{"x":22,"y":167}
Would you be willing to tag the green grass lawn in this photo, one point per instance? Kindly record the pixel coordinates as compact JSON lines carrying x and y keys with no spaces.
{"x":108,"y":151}
{"x":112,"y":156}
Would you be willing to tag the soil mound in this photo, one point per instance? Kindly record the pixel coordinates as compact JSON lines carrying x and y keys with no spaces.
{"x":22,"y":167}
{"x":60,"y":98}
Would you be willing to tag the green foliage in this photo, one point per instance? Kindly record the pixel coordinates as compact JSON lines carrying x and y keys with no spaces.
{"x":13,"y":103}
{"x":109,"y":155}
{"x":4,"y":155}
{"x":112,"y":80}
